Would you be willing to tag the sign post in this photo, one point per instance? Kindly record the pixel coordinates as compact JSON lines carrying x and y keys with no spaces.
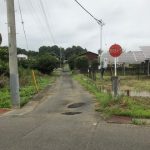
{"x":115,"y":51}
{"x":115,"y":66}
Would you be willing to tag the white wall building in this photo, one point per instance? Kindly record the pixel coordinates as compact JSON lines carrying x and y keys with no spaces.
{"x":22,"y":56}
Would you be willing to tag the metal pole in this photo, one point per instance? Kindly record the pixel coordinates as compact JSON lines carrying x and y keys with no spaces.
{"x":115,"y":66}
{"x":101,"y":29}
{"x":13,"y":64}
{"x":101,"y":23}
{"x":100,"y":51}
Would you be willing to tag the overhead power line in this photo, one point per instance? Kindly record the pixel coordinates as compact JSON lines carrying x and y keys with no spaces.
{"x":37,"y":19}
{"x":23,"y":25}
{"x":47,"y":22}
{"x":100,"y":22}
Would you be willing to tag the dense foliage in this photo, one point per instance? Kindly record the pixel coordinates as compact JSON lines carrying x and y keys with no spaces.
{"x":46,"y":63}
{"x":94,"y":65}
{"x":4,"y":61}
{"x":45,"y":60}
{"x":82,"y":63}
{"x":53,"y":50}
{"x":71,"y":62}
{"x":74,"y":51}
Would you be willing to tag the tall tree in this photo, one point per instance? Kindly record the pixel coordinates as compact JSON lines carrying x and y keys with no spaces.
{"x":75,"y":50}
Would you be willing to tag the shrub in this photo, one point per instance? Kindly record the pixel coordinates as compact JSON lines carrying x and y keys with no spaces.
{"x":71,"y":62}
{"x":94,"y":65}
{"x":82,"y":64}
{"x":46,"y":63}
{"x":24,"y":63}
{"x":4,"y":54}
{"x":4,"y":69}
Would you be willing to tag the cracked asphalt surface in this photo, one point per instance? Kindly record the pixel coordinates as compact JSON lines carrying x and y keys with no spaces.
{"x":47,"y":128}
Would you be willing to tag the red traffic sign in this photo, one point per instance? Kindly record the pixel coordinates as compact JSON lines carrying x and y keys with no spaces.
{"x":115,"y":50}
{"x":0,"y":38}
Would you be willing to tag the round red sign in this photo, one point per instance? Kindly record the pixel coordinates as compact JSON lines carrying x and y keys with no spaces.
{"x":115,"y":50}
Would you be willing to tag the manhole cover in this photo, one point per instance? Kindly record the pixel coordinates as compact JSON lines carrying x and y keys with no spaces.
{"x":76,"y":105}
{"x":71,"y":113}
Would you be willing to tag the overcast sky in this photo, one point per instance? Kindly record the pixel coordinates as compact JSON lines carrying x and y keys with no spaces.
{"x":127,"y":23}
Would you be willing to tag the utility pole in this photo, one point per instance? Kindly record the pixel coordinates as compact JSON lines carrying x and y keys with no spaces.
{"x":101,"y":35}
{"x":101,"y":23}
{"x":13,"y":64}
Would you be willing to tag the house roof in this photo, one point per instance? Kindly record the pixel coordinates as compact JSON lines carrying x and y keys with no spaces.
{"x":131,"y":57}
{"x":88,"y":52}
{"x":146,"y":51}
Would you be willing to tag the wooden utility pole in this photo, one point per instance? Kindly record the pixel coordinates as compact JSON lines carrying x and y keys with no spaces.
{"x":13,"y":64}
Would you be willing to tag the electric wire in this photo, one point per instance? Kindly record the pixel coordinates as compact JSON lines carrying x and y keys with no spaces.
{"x":37,"y":19}
{"x":43,"y":19}
{"x":46,"y":6}
{"x":22,"y":22}
{"x":100,"y":22}
{"x":47,"y":22}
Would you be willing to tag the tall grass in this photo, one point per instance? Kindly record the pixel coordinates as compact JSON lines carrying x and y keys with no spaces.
{"x":27,"y":88}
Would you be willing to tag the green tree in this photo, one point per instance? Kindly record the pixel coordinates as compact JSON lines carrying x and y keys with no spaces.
{"x":46,"y":63}
{"x":53,"y":50}
{"x":22,"y":51}
{"x":75,"y":50}
{"x":82,"y":64}
{"x":4,"y":54}
{"x":4,"y":58}
{"x":71,"y":62}
{"x":94,"y":65}
{"x":31,"y":53}
{"x":4,"y":68}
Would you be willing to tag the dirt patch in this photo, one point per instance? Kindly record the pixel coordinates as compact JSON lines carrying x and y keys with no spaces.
{"x":2,"y":110}
{"x":120,"y":120}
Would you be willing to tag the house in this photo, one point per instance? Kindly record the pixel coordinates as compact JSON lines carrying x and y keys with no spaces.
{"x":92,"y":66}
{"x":22,"y":57}
{"x":90,"y":55}
{"x":140,"y":58}
{"x":146,"y":52}
{"x":130,"y":57}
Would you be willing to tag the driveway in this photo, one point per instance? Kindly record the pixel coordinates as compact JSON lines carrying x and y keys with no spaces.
{"x":51,"y":125}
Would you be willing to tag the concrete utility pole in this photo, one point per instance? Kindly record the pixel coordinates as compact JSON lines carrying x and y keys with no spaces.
{"x":101,"y":23}
{"x":13,"y":64}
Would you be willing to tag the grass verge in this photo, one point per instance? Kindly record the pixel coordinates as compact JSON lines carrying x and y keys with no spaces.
{"x":127,"y":83}
{"x":26,"y":90}
{"x":124,"y":106}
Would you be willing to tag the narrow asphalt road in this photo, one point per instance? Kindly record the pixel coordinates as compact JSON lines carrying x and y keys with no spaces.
{"x":48,"y":127}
